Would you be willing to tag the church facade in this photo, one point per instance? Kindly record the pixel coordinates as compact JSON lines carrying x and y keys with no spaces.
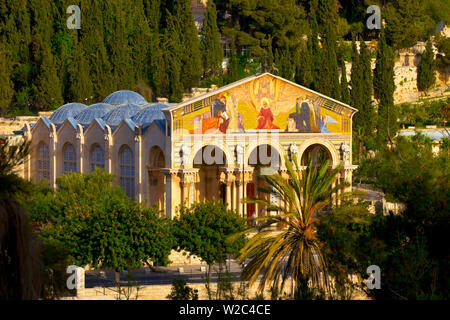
{"x":214,"y":146}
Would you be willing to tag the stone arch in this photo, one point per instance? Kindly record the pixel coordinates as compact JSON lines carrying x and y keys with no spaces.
{"x":255,"y":144}
{"x":199,"y":146}
{"x":327,"y":145}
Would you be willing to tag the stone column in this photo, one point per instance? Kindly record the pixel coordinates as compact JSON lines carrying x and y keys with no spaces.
{"x":108,"y":147}
{"x":52,"y":147}
{"x":138,"y":164}
{"x":80,"y":148}
{"x":239,"y":196}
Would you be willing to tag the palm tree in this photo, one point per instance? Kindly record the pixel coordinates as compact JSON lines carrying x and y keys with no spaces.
{"x":294,"y":251}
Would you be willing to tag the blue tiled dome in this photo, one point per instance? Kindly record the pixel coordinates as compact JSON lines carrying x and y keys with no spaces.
{"x":66,"y":111}
{"x":126,"y":111}
{"x":92,"y":112}
{"x":125,"y":97}
{"x":150,"y":114}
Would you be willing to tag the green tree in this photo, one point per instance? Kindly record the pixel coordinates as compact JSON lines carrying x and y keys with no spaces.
{"x":328,"y":71}
{"x":233,"y":64}
{"x":81,"y":87}
{"x":426,"y":74}
{"x":410,"y":245}
{"x":47,"y":88}
{"x":345,"y":92}
{"x":97,"y":224}
{"x":384,"y":87}
{"x":180,"y":291}
{"x":6,"y":85}
{"x":204,"y":229}
{"x":187,"y":33}
{"x":210,"y":44}
{"x":406,"y":23}
{"x":121,"y":59}
{"x":173,"y":61}
{"x":305,"y":194}
{"x":304,"y":66}
{"x":366,"y":117}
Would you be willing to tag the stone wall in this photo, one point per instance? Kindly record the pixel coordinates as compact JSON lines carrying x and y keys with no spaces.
{"x":160,"y":292}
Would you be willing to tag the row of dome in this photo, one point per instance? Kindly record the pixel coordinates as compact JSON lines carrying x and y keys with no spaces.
{"x":116,"y":107}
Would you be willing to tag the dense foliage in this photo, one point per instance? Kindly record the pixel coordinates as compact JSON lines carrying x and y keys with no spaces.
{"x":153,"y":46}
{"x":412,"y":249}
{"x":98,"y":225}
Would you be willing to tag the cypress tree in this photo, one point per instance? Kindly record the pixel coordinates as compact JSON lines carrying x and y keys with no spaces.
{"x":190,"y":56}
{"x":356,"y":84}
{"x":426,"y":75}
{"x":173,"y":61}
{"x":6,"y":84}
{"x":211,"y":46}
{"x":233,"y":64}
{"x":47,"y":88}
{"x":81,"y":88}
{"x":314,"y":47}
{"x":122,"y":62}
{"x":367,"y":111}
{"x":93,"y":43}
{"x":328,"y":71}
{"x":158,"y":74}
{"x":384,"y":88}
{"x":345,"y":93}
{"x":139,"y":36}
{"x":304,"y":65}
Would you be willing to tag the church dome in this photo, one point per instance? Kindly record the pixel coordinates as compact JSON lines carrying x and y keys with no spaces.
{"x":66,"y":111}
{"x":125,"y":97}
{"x":92,"y":112}
{"x":119,"y":113}
{"x":150,"y":114}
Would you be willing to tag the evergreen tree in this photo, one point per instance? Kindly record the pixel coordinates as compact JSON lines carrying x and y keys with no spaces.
{"x":314,"y":47}
{"x":345,"y":92}
{"x":211,"y":46}
{"x":81,"y":88}
{"x":6,"y":84}
{"x":304,"y":66}
{"x":426,"y":74}
{"x":356,"y":84}
{"x":328,"y":71}
{"x":122,"y":62}
{"x":190,"y":56}
{"x":284,"y":64}
{"x":384,"y":88}
{"x":93,"y":43}
{"x":15,"y":33}
{"x":173,"y":61}
{"x":139,"y":36}
{"x":367,"y":111}
{"x":47,"y":88}
{"x":233,"y":64}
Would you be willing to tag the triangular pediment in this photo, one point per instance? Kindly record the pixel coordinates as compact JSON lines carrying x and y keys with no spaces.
{"x":261,"y":102}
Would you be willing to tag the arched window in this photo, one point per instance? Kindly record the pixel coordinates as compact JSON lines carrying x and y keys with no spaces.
{"x":43,"y":163}
{"x":127,"y":171}
{"x":97,"y":158}
{"x":70,"y":160}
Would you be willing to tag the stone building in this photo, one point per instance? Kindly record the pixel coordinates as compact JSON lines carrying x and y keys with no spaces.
{"x":215,"y":145}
